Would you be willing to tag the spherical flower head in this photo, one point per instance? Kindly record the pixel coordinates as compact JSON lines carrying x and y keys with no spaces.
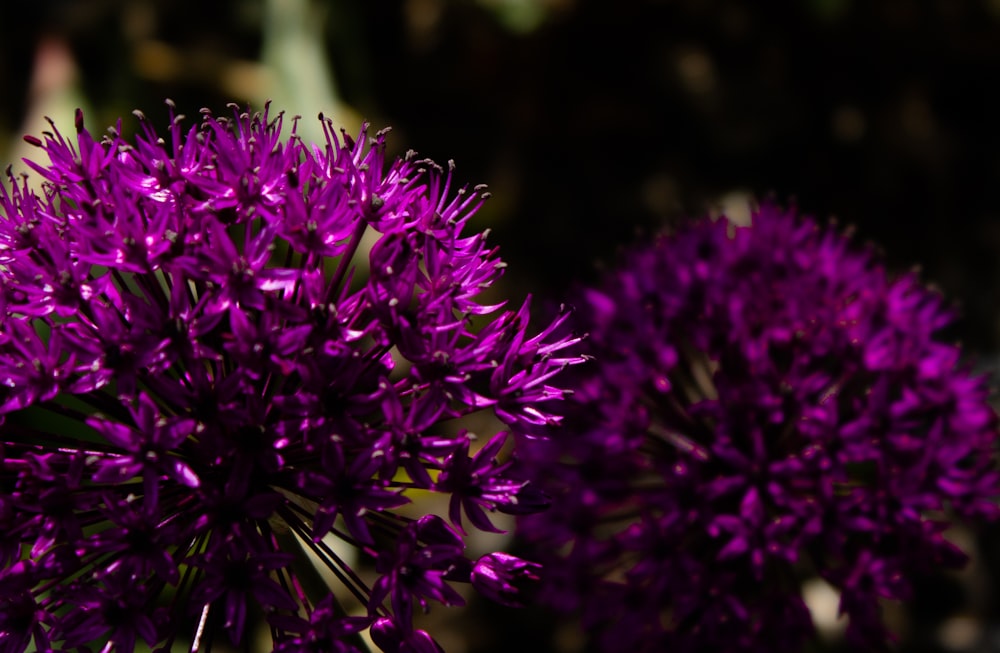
{"x":765,"y":403}
{"x":226,"y":355}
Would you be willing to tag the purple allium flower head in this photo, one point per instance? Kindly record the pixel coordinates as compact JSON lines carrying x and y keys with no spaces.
{"x":201,"y":393}
{"x":765,"y":403}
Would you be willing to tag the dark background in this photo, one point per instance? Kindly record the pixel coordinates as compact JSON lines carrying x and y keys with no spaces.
{"x":597,"y":121}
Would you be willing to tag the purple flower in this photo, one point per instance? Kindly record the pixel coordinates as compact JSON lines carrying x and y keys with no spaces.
{"x":202,"y":387}
{"x":765,"y":404}
{"x":323,"y":632}
{"x":505,"y":578}
{"x":388,"y":637}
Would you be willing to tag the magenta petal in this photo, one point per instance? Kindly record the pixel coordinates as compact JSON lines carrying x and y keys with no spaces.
{"x":182,"y":473}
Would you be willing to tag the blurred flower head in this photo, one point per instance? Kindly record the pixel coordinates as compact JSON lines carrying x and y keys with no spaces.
{"x":765,"y":404}
{"x":205,"y":392}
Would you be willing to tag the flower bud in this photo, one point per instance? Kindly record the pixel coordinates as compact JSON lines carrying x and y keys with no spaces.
{"x":504,"y":578}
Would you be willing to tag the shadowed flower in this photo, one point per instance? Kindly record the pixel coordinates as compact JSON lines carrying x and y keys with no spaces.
{"x":765,"y":403}
{"x":202,"y":397}
{"x":325,"y":632}
{"x":506,"y":579}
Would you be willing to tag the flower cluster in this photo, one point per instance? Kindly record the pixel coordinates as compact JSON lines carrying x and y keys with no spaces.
{"x":765,"y":404}
{"x":205,"y":389}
